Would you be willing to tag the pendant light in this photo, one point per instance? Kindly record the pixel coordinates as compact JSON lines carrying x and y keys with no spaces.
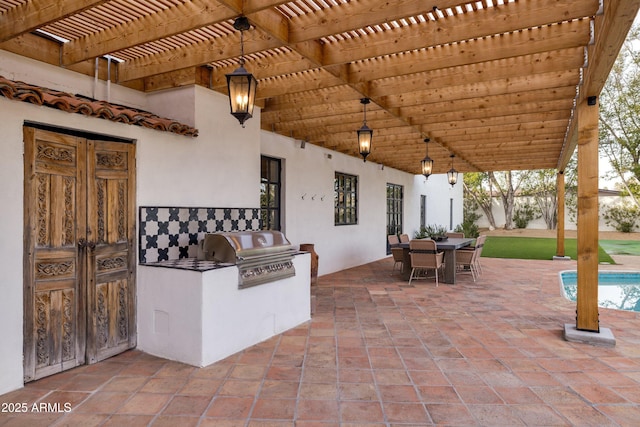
{"x":452,"y":175}
{"x":241,"y":84}
{"x":365,"y":134}
{"x":426,"y":165}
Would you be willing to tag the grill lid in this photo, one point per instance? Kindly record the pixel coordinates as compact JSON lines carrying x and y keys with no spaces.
{"x":229,"y":247}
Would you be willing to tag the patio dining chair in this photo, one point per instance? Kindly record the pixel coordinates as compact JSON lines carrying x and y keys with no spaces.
{"x":466,"y":262}
{"x":395,"y":251}
{"x":469,"y":260}
{"x":480,"y":244}
{"x":424,"y":257}
{"x":404,"y":238}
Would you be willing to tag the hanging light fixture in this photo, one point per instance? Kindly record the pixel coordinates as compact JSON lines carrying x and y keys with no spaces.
{"x":452,"y":175}
{"x":426,"y":165}
{"x":241,"y":84}
{"x":365,"y":134}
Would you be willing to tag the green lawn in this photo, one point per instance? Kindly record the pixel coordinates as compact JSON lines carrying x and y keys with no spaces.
{"x":533,"y":248}
{"x":621,"y":247}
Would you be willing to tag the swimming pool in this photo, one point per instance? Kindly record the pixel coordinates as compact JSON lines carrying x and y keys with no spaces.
{"x":616,"y":289}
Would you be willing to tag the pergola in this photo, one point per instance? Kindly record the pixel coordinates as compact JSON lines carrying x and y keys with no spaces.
{"x":499,"y":84}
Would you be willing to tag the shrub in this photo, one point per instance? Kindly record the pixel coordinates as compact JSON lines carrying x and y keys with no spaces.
{"x":523,"y":214}
{"x":469,"y":218}
{"x":470,"y":229}
{"x":432,"y":231}
{"x":622,"y":217}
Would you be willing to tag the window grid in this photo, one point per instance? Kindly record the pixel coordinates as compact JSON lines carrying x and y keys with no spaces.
{"x":346,"y":199}
{"x":395,"y":198}
{"x":270,"y":184}
{"x":395,"y":194}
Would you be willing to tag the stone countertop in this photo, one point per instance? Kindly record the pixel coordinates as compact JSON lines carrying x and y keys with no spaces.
{"x":192,"y":264}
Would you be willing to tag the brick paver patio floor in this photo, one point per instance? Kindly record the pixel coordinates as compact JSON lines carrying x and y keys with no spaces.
{"x":380,"y":353}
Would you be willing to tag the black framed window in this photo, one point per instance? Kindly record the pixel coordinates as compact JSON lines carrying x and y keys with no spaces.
{"x":345,"y":199}
{"x":270,"y":185}
{"x":395,"y":197}
{"x":395,"y":203}
{"x":423,"y":210}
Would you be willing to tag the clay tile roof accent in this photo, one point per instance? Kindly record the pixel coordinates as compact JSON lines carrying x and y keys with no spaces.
{"x":20,"y":91}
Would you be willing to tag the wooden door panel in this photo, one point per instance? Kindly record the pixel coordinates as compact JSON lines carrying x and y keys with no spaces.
{"x":112,"y":319}
{"x":55,"y":331}
{"x":79,"y":285}
{"x":111,"y":262}
{"x":54,"y":324}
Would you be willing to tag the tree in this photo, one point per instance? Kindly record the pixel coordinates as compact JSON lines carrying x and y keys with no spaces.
{"x":477,"y":187}
{"x":541,"y":185}
{"x":620,"y":116}
{"x":507,"y":185}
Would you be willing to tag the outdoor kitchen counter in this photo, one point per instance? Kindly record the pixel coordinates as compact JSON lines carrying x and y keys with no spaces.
{"x":193,"y":264}
{"x":194,"y":312}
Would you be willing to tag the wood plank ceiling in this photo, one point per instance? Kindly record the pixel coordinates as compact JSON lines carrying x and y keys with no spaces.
{"x":493,"y":82}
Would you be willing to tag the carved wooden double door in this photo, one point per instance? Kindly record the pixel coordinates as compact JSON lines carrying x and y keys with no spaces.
{"x":79,"y":284}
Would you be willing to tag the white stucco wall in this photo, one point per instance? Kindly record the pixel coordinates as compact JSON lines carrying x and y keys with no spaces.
{"x":309,"y":172}
{"x":538,"y":223}
{"x":219,"y":168}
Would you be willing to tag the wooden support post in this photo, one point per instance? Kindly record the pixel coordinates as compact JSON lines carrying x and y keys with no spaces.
{"x":587,"y":295}
{"x":560,"y":226}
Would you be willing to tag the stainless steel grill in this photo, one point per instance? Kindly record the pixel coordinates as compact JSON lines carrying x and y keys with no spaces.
{"x":261,"y":256}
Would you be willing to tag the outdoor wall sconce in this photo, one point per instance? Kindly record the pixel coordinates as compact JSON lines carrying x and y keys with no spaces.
{"x":426,"y":165}
{"x":452,"y":175}
{"x":241,"y":84}
{"x":365,"y":134}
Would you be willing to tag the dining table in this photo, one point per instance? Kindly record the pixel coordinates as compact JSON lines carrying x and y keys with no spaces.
{"x":448,"y":246}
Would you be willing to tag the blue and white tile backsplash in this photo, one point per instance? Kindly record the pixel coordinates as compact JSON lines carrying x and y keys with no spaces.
{"x":170,"y":233}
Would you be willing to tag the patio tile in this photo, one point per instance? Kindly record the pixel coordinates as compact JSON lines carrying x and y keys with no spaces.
{"x":438,"y":394}
{"x":317,"y":410}
{"x":125,"y":384}
{"x":391,"y":376}
{"x":128,"y":420}
{"x":398,"y":393}
{"x":247,"y":372}
{"x":275,"y":409}
{"x":84,"y":420}
{"x":145,"y":403}
{"x":378,"y":353}
{"x":406,"y":413}
{"x":175,"y":369}
{"x":478,"y":395}
{"x":187,"y":405}
{"x":450,"y":414}
{"x":585,"y":415}
{"x":518,"y":395}
{"x":200,"y":387}
{"x":164,"y":385}
{"x":318,"y":391}
{"x":360,"y":412}
{"x":599,"y":394}
{"x":495,"y":415}
{"x":279,"y":389}
{"x":239,"y":388}
{"x":623,"y":414}
{"x":285,"y":373}
{"x":103,"y":403}
{"x":173,"y":421}
{"x":230,"y":407}
{"x":538,"y":415}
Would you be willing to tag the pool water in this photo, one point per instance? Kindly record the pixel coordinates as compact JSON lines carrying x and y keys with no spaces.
{"x":616,"y":289}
